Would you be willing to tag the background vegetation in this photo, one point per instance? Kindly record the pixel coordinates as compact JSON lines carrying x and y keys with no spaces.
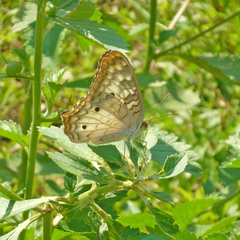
{"x":189,"y":49}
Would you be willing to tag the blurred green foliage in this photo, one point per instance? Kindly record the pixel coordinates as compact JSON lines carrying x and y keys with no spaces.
{"x":201,"y":75}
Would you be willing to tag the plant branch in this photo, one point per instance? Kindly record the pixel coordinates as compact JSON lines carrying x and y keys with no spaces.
{"x":196,"y":36}
{"x":152,"y":26}
{"x":36,"y":105}
{"x":178,"y":15}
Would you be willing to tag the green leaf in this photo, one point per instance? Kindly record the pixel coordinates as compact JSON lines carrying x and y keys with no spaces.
{"x":57,"y":136}
{"x":144,"y":236}
{"x":217,"y":236}
{"x":166,"y":34}
{"x":52,"y":87}
{"x":14,"y":132}
{"x":233,"y":160}
{"x":79,"y":166}
{"x":94,"y":31}
{"x":79,"y":224}
{"x":178,"y":99}
{"x":140,"y":154}
{"x":24,"y":57}
{"x":194,"y":167}
{"x":144,"y":80}
{"x":138,"y":220}
{"x":185,"y":213}
{"x":229,"y":66}
{"x":224,"y":68}
{"x":174,"y":165}
{"x":185,"y":235}
{"x":221,"y":225}
{"x":28,"y":17}
{"x":14,"y":234}
{"x":164,"y":221}
{"x":166,"y":145}
{"x":162,"y":196}
{"x":67,"y":8}
{"x":29,"y":38}
{"x":108,"y":153}
{"x":84,"y":10}
{"x":138,"y":28}
{"x":9,"y":208}
{"x":52,"y":48}
{"x":82,"y":84}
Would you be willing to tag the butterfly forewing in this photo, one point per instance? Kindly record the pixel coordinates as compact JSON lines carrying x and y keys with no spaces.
{"x":113,"y":108}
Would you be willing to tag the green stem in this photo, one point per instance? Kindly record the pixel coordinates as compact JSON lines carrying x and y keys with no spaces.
{"x":26,"y":127}
{"x":107,"y":218}
{"x":36,"y":104}
{"x":152,"y":26}
{"x":196,"y":36}
{"x":47,"y":226}
{"x":11,"y":195}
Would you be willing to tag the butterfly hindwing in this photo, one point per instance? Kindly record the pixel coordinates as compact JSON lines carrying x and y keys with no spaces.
{"x":113,"y":108}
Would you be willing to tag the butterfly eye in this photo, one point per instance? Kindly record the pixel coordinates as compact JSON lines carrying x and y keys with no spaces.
{"x":97,"y":109}
{"x":113,"y":94}
{"x":84,"y":126}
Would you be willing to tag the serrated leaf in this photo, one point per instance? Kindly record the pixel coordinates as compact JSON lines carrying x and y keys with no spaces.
{"x":164,"y":221}
{"x":79,"y":166}
{"x":185,"y":213}
{"x":52,"y":87}
{"x":108,"y":153}
{"x":13,"y":131}
{"x":79,"y":223}
{"x":163,"y":196}
{"x":84,"y":10}
{"x":194,"y":168}
{"x":166,"y":145}
{"x":185,"y":235}
{"x":9,"y":208}
{"x":94,"y":31}
{"x":174,"y":165}
{"x":67,"y":8}
{"x":57,"y":135}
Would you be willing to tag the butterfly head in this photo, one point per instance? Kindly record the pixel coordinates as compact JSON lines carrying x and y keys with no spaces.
{"x":143,"y":127}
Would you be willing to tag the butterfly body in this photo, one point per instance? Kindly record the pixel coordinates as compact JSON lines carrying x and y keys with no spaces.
{"x":113,"y":108}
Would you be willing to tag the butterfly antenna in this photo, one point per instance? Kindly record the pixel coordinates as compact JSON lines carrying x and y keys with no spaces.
{"x":170,"y":114}
{"x":158,"y":107}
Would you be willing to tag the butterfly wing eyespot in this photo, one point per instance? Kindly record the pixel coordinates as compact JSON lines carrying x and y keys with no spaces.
{"x":112,"y":109}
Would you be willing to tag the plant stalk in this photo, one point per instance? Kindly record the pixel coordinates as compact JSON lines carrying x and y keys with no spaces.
{"x":152,"y":26}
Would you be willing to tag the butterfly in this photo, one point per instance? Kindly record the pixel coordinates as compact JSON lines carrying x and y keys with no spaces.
{"x":113,"y":108}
